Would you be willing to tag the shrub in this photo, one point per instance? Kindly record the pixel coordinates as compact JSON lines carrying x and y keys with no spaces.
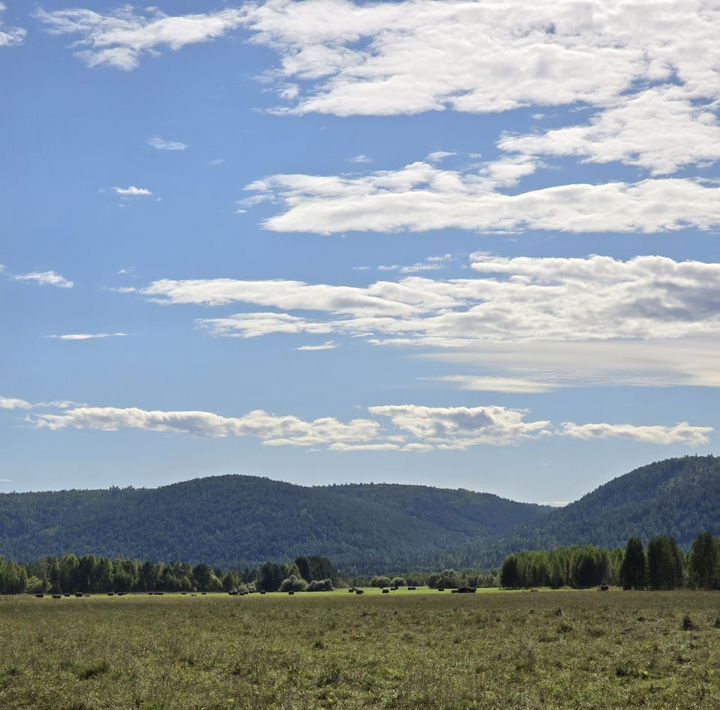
{"x":293,"y":584}
{"x":320,"y":585}
{"x":381,"y":581}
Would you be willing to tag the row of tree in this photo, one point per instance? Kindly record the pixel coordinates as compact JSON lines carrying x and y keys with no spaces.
{"x":663,"y":565}
{"x":90,"y":574}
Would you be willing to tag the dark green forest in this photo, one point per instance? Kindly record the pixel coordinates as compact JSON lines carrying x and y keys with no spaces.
{"x":675,"y":497}
{"x":243,"y":521}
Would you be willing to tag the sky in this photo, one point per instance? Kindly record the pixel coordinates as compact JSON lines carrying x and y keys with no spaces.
{"x":457,"y":243}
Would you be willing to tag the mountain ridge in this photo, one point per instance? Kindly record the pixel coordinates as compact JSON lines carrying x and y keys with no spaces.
{"x":236,"y":519}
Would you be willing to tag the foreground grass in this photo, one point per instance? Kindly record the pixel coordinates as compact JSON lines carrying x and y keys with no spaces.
{"x":409,"y":650}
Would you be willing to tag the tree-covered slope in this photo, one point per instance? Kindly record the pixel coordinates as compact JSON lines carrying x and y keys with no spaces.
{"x":243,"y":519}
{"x":678,"y":497}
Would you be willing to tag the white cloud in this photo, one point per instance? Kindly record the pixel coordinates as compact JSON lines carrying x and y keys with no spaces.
{"x":360,"y":159}
{"x":271,"y":430}
{"x":517,"y":299}
{"x":10,"y":36}
{"x":431,"y":263}
{"x":122,"y":37}
{"x":132,"y":191}
{"x":87,"y":336}
{"x":405,"y":428}
{"x":424,"y":55}
{"x":649,"y":321}
{"x":680,"y":362}
{"x":44,"y":278}
{"x":10,"y":403}
{"x":421,"y":197}
{"x":162,"y":144}
{"x":660,"y":129}
{"x":508,"y":385}
{"x":462,"y":427}
{"x":215,"y":162}
{"x":681,"y":433}
{"x":327,"y":345}
{"x":439,"y":155}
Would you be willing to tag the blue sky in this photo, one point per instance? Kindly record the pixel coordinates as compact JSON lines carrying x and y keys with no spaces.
{"x":465,"y":244}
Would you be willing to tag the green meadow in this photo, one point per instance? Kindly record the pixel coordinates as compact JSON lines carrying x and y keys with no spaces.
{"x":406,"y":649}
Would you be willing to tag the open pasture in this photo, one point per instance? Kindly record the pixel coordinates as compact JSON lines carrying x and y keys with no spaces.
{"x":402,"y":650}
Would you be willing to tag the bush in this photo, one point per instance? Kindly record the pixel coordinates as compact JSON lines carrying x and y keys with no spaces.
{"x":320,"y":585}
{"x":399,"y":582}
{"x":293,"y":583}
{"x":380,"y":582}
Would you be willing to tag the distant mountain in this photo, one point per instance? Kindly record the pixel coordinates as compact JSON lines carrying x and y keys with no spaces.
{"x":368,"y":528}
{"x":678,"y":497}
{"x":229,"y":520}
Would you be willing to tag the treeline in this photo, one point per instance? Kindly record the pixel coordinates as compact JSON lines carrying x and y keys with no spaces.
{"x":662,"y":565}
{"x":90,"y":574}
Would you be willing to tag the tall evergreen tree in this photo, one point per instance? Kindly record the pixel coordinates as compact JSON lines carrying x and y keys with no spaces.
{"x":633,"y":569}
{"x":664,"y":563}
{"x":510,"y":573}
{"x":704,"y":561}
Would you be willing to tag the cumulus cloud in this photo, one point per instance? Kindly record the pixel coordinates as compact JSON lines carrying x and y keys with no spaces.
{"x":425,"y":55}
{"x":9,"y":36}
{"x":422,"y":197}
{"x":681,"y":433}
{"x":162,"y":144}
{"x":122,"y":37}
{"x":660,"y":130}
{"x":11,"y":403}
{"x":270,"y":429}
{"x":517,"y":299}
{"x":132,"y":191}
{"x":404,"y":428}
{"x":462,"y":427}
{"x":44,"y":278}
{"x":87,"y":336}
{"x":649,"y":321}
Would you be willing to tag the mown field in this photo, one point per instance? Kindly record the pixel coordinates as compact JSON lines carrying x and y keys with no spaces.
{"x":422,"y":649}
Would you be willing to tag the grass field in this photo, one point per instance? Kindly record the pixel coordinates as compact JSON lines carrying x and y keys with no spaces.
{"x":422,"y":649}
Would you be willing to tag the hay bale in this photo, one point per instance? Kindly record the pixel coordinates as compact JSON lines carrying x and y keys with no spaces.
{"x":78,"y":594}
{"x":386,"y":591}
{"x":466,"y":590}
{"x":57,"y":596}
{"x":604,"y":588}
{"x":411,"y":589}
{"x":291,"y":593}
{"x":441,"y":589}
{"x":359,"y":591}
{"x":39,"y":595}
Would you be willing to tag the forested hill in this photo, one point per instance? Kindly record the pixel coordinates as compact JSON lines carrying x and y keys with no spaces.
{"x":230,"y":520}
{"x":678,"y":497}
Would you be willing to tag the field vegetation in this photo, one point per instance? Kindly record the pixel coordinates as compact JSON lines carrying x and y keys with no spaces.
{"x":402,"y":649}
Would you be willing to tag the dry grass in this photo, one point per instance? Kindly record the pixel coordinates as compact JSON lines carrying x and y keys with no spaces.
{"x":411,"y":650}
